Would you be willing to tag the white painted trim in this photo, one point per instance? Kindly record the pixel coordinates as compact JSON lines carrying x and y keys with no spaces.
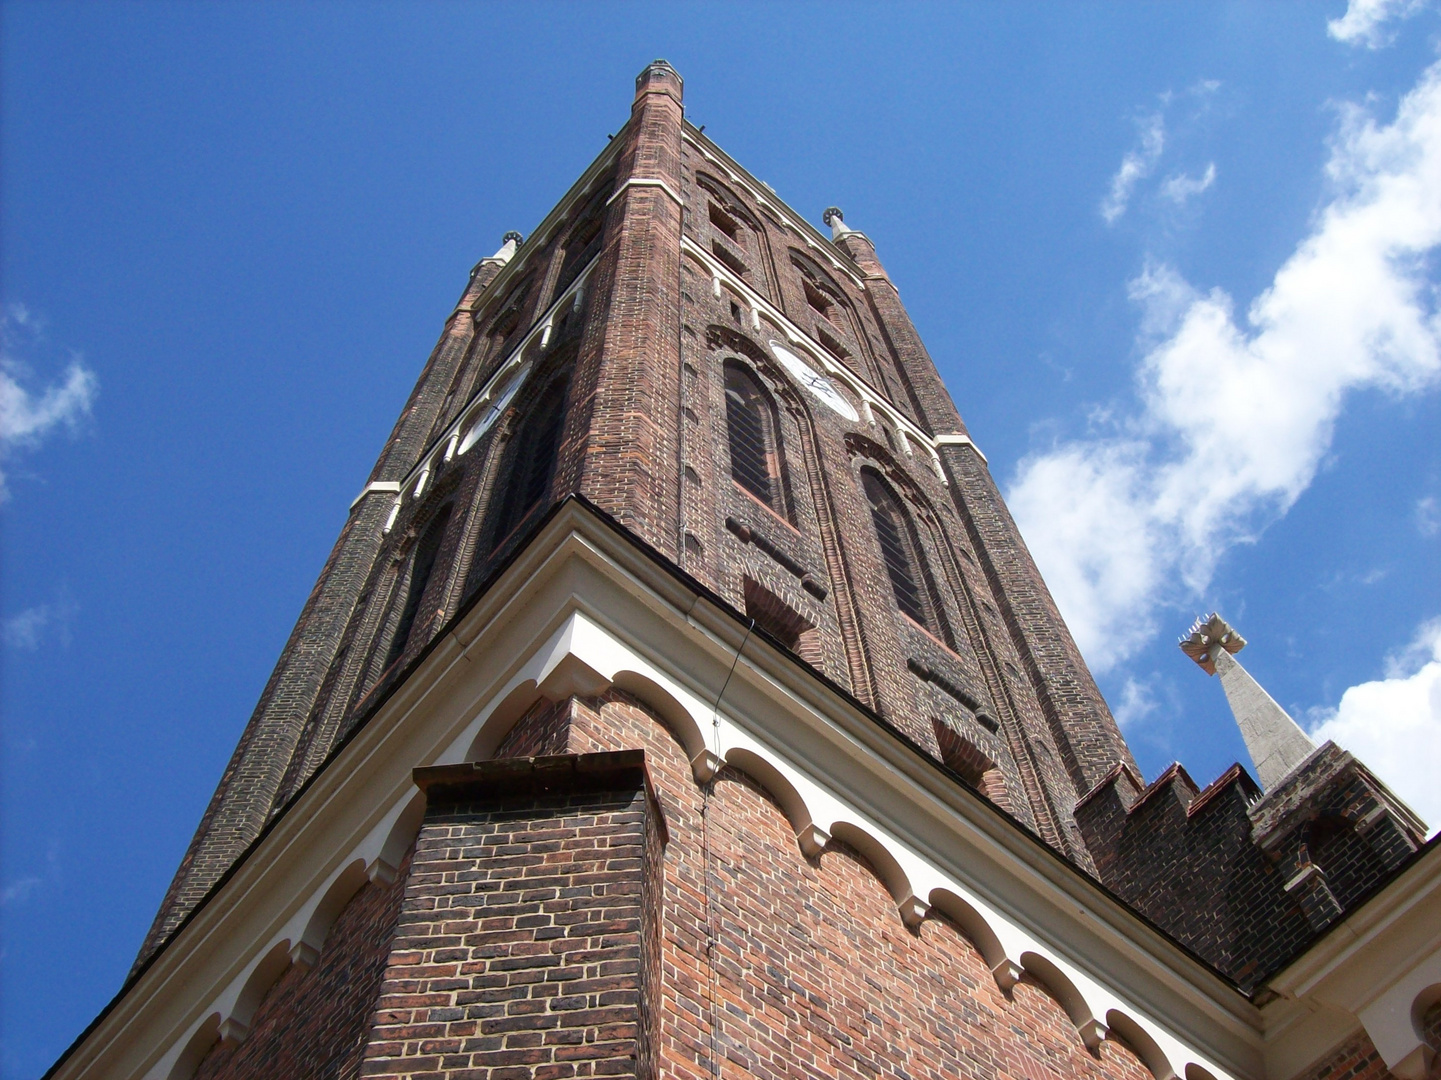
{"x":958,"y":440}
{"x":391,"y":486}
{"x":644,"y":181}
{"x":1371,"y":970}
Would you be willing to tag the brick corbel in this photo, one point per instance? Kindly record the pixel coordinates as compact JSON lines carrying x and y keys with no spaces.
{"x":1383,"y":834}
{"x":1007,"y":974}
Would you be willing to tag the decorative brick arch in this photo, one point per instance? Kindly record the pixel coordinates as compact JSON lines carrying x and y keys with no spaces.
{"x":1141,"y":1043}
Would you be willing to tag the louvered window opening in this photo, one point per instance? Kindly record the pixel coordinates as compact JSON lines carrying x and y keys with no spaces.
{"x":534,"y":462}
{"x":426,"y":550}
{"x":751,"y":451}
{"x":893,"y":532}
{"x":579,"y":251}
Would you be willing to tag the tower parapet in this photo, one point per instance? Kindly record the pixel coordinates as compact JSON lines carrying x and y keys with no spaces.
{"x":1247,"y":874}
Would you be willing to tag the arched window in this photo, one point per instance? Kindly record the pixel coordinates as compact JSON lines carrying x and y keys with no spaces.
{"x":421,"y":565}
{"x":585,"y":239}
{"x":508,"y":323}
{"x":900,"y":549}
{"x":731,"y":232}
{"x":754,"y":442}
{"x":532,"y":460}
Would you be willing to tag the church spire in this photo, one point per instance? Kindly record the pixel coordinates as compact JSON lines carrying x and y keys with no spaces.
{"x":1275,"y":742}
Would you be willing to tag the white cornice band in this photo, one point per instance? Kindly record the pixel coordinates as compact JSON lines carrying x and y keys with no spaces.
{"x":642,"y":181}
{"x":959,"y":440}
{"x":391,"y":486}
{"x":582,"y":609}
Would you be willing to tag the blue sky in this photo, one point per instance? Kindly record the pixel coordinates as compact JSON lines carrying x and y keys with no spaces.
{"x":1175,"y":264}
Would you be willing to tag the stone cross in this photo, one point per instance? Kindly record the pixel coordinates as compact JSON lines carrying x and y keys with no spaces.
{"x":1275,"y":742}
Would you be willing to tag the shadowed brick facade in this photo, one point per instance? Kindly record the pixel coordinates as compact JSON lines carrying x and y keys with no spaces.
{"x":598,"y":858}
{"x":640,"y":347}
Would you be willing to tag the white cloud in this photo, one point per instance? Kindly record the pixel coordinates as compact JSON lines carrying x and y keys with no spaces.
{"x":23,"y":631}
{"x":18,"y":891}
{"x":1394,"y":724}
{"x":1138,"y":701}
{"x":1364,"y":22}
{"x":1135,"y":167}
{"x":28,"y":416}
{"x":1180,"y":188}
{"x":30,"y":627}
{"x":1236,"y":416}
{"x":1428,"y":516}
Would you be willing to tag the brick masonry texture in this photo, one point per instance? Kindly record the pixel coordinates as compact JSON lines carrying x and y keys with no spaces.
{"x":313,"y":1023}
{"x":1356,"y":1060}
{"x":522,"y":948}
{"x":1198,"y":874}
{"x":687,"y":262}
{"x":773,"y":965}
{"x":1213,"y":866}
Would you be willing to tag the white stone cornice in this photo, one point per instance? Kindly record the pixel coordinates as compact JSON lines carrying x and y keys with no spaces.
{"x":642,"y":181}
{"x":583,"y":607}
{"x":959,"y":440}
{"x":1377,"y":969}
{"x":390,"y":486}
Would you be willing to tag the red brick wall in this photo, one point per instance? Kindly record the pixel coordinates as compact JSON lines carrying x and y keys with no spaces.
{"x":1357,"y":1059}
{"x":313,"y":1023}
{"x":521,"y":947}
{"x":811,"y":970}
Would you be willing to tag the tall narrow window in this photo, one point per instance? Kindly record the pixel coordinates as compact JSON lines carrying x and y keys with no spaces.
{"x":532,"y":460}
{"x":900,"y":550}
{"x":421,"y":565}
{"x":585,"y":239}
{"x":751,"y":428}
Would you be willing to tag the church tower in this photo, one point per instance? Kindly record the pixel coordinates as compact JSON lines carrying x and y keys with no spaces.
{"x":680,"y":699}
